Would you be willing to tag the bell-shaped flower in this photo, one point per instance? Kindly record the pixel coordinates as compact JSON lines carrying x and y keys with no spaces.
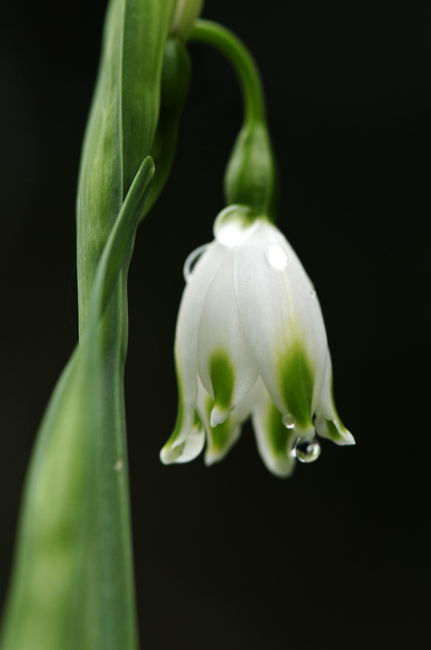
{"x":251,"y":340}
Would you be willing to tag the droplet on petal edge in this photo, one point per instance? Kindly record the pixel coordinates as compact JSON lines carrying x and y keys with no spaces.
{"x":192,"y":259}
{"x":232,"y":226}
{"x":231,"y":234}
{"x":306,"y":451}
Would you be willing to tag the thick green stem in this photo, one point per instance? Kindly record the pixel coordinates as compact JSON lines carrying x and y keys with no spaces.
{"x":72,"y":586}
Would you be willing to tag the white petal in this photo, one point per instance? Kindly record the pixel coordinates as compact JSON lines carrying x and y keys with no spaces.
{"x":327,"y":422}
{"x":222,"y":437}
{"x":275,"y":442}
{"x":280,"y":313}
{"x":226,"y":364}
{"x":186,"y":446}
{"x":179,"y":448}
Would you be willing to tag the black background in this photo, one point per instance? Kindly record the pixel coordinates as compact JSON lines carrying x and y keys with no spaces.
{"x":230,"y":557}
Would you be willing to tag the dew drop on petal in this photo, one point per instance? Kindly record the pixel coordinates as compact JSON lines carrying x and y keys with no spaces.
{"x":276,"y":257}
{"x":307,"y":451}
{"x":191,"y":261}
{"x":232,"y":233}
{"x":312,"y":292}
{"x":288,"y":421}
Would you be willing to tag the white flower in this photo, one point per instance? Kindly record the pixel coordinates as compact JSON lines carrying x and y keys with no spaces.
{"x":251,"y":340}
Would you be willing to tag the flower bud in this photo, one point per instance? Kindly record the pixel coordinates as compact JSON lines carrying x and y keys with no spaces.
{"x":250,"y":177}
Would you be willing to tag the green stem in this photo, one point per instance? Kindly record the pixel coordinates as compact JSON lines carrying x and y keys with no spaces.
{"x":250,"y":177}
{"x":238,"y":55}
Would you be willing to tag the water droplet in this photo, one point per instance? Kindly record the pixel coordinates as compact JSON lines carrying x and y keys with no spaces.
{"x":312,"y":292}
{"x":288,"y":421}
{"x":276,"y":257}
{"x":233,"y":225}
{"x":191,"y":260}
{"x":232,"y":233}
{"x":307,"y":451}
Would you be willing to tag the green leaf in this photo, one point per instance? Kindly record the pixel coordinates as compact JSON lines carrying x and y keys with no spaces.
{"x":54,"y":524}
{"x":59,"y":584}
{"x":120,"y":134}
{"x":121,"y":125}
{"x":72,"y":587}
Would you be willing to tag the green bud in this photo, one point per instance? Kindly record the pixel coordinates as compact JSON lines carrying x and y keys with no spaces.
{"x":185,"y":14}
{"x":250,"y":176}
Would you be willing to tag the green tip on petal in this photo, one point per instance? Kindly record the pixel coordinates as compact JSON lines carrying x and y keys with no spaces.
{"x":188,"y":437}
{"x":280,"y":438}
{"x":183,"y":445}
{"x":328,"y":423}
{"x":296,"y":379}
{"x":334,"y":430}
{"x":275,"y":441}
{"x":220,"y":440}
{"x":222,"y":377}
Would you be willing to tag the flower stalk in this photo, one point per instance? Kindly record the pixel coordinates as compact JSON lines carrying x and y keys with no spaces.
{"x":250,"y":177}
{"x":242,"y":62}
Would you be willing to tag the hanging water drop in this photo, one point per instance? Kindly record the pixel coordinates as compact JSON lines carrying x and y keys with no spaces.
{"x":307,"y":451}
{"x":232,"y":233}
{"x":191,"y":261}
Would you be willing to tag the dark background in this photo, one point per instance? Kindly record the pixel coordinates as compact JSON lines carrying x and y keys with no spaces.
{"x":336,"y":557}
